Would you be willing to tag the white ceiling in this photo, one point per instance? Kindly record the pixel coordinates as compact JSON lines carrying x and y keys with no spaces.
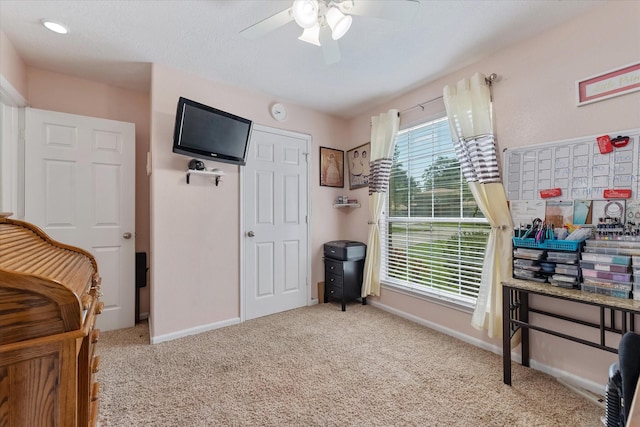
{"x":116,"y":41}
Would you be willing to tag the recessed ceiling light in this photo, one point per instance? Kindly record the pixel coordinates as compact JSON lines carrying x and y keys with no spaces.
{"x":55,"y":27}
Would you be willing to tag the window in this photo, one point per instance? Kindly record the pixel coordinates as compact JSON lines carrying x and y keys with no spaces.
{"x":433,"y":233}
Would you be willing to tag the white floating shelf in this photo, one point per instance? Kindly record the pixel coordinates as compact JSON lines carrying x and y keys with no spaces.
{"x":217,"y":173}
{"x":346,"y":205}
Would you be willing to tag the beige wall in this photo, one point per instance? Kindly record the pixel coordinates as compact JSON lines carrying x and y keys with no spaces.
{"x":534,"y":102}
{"x":12,"y":67}
{"x":196,"y":228}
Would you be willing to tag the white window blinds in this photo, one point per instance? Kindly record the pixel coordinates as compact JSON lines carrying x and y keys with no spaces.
{"x":434,"y":235}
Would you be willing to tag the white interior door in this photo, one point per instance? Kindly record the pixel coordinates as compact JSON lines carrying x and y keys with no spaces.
{"x":80,"y":189}
{"x":276,"y":229}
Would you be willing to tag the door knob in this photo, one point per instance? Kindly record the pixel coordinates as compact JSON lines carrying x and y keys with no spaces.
{"x":127,"y":235}
{"x":251,"y":234}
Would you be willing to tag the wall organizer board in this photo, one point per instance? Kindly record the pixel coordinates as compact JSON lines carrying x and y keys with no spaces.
{"x":575,"y":166}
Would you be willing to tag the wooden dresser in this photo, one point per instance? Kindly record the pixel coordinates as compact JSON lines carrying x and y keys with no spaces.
{"x":49,"y":300}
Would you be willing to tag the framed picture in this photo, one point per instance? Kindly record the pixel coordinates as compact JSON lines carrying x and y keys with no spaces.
{"x":331,"y":167}
{"x":358,"y":164}
{"x":608,"y":84}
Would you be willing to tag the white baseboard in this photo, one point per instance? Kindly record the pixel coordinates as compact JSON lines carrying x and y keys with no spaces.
{"x":568,"y":378}
{"x":194,"y":331}
{"x":562,"y":376}
{"x":144,"y":316}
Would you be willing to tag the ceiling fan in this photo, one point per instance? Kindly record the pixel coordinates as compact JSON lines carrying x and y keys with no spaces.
{"x":325,"y":21}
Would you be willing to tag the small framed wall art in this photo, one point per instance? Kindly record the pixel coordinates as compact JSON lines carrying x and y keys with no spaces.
{"x":608,"y":84}
{"x":331,"y":167}
{"x":358,"y":164}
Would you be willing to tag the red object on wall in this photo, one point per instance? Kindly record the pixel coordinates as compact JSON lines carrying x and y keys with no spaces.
{"x":604,"y":144}
{"x":617,"y":194}
{"x":551,"y":192}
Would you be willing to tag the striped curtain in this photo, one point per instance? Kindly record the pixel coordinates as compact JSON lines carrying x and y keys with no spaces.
{"x":384,"y":128}
{"x":470,"y":116}
{"x":478,"y":159}
{"x":379,"y":175}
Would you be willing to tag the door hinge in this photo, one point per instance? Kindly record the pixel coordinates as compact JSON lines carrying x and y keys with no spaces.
{"x":306,"y":157}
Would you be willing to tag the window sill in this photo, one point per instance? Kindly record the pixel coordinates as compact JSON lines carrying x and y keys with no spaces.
{"x":465,"y":305}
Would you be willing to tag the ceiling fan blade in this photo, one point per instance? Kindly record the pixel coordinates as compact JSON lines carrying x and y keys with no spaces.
{"x":396,"y":10}
{"x":267,"y":25}
{"x":330,"y":48}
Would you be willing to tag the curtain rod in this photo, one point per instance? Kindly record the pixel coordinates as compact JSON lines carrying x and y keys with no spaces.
{"x":492,"y":78}
{"x":421,"y":105}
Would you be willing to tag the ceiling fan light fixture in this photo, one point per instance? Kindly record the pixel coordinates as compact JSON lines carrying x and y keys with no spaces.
{"x":338,"y":22}
{"x":345,"y":6}
{"x":311,"y":35}
{"x":305,"y":12}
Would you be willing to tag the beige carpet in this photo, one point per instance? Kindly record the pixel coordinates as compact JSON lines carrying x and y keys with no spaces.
{"x":318,"y":366}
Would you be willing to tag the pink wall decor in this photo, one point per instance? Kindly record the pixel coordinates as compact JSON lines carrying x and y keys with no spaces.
{"x":609,"y":84}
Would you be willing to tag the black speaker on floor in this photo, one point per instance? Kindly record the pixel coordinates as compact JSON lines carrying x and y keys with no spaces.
{"x":141,"y":279}
{"x":141,"y":269}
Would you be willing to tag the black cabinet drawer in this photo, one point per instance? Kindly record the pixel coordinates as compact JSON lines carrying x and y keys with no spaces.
{"x":333,"y":291}
{"x":343,"y":280}
{"x":332,"y":279}
{"x":333,"y":266}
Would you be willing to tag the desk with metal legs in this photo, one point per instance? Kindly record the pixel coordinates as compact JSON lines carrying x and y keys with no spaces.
{"x":516,"y":309}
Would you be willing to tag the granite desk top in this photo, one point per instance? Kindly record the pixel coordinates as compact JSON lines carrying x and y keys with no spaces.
{"x":573,"y":294}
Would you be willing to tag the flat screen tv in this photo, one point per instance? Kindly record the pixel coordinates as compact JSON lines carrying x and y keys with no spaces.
{"x":208,"y":133}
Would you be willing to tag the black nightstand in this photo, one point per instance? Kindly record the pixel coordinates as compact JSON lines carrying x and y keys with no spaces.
{"x":343,"y":277}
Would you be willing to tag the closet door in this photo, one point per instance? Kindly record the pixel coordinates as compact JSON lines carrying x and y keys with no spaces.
{"x":276,"y":252}
{"x":80,"y":189}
